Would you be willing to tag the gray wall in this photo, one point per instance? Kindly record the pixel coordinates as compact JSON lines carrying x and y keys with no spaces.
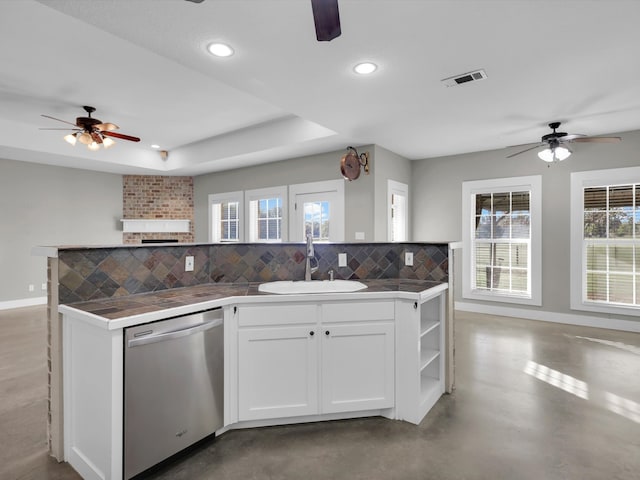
{"x":437,"y":200}
{"x":46,"y":205}
{"x":388,"y":166}
{"x":359,"y":195}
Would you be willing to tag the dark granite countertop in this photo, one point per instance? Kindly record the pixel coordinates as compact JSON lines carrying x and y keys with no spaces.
{"x":127,"y":306}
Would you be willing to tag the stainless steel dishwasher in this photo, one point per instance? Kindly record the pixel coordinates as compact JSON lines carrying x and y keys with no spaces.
{"x":173,"y":386}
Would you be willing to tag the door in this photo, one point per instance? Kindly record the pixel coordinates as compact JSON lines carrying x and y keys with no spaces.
{"x":277,"y":372}
{"x":358,"y":367}
{"x":317,"y":209}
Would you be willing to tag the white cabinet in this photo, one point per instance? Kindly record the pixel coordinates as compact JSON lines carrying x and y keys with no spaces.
{"x":277,"y":372}
{"x":309,"y":359}
{"x":420,"y":355}
{"x":357,"y":367}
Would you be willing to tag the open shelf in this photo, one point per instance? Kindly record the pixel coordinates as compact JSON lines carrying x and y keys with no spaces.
{"x":428,"y":387}
{"x":427,"y":356}
{"x":427,"y":326}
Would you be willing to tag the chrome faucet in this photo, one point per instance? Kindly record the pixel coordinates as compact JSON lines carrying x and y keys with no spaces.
{"x":310,"y":254}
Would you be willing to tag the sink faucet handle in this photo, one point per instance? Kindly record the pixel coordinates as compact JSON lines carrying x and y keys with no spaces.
{"x":331,"y":275}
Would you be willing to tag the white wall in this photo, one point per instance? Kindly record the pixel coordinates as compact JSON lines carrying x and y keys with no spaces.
{"x":437,"y":200}
{"x":46,"y":205}
{"x":359,"y":195}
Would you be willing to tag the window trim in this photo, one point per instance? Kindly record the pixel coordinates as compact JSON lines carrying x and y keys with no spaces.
{"x":512,"y":184}
{"x":580,"y":180}
{"x":226,"y":197}
{"x":262,"y":193}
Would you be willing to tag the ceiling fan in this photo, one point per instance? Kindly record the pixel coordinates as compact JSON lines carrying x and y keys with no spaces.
{"x":91,"y":131}
{"x":555,"y":143}
{"x":325,"y":16}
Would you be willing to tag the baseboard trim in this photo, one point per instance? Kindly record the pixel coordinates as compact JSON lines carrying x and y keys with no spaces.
{"x":553,"y":317}
{"x":23,"y":302}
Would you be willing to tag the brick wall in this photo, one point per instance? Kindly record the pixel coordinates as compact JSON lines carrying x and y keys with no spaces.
{"x":157,"y":197}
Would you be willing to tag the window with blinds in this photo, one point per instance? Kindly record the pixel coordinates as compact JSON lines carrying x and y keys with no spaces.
{"x":502,"y":240}
{"x":501,"y":243}
{"x":266,"y":219}
{"x":226,"y":217}
{"x":266,"y":214}
{"x":611,"y":240}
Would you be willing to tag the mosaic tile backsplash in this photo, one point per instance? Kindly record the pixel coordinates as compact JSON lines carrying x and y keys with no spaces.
{"x":94,"y":273}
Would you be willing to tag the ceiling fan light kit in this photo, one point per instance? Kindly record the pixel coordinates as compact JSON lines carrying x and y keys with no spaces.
{"x":92,"y":132}
{"x":555,"y":154}
{"x":555,"y":144}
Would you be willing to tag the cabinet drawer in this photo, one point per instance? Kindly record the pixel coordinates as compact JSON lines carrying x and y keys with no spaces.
{"x":357,"y":311}
{"x":270,"y":314}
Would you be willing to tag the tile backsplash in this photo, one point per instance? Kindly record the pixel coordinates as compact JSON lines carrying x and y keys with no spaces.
{"x":93,"y":273}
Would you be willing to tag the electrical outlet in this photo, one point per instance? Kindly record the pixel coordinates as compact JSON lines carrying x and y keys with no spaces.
{"x":342,"y":259}
{"x":44,"y":287}
{"x":408,"y":259}
{"x":359,"y":235}
{"x":31,"y":287}
{"x":188,"y":263}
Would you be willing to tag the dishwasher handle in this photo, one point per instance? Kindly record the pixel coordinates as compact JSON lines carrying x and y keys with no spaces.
{"x":185,"y":332}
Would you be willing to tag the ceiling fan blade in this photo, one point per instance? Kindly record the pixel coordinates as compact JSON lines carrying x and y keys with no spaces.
{"x":327,"y":19}
{"x":65,"y":129}
{"x":106,"y":126}
{"x":525,"y":150}
{"x":121,"y":135}
{"x":54,"y":118}
{"x":597,"y":139}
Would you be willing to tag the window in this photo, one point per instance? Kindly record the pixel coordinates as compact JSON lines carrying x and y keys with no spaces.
{"x":397,"y":211}
{"x":266,"y":214}
{"x":225,"y":217}
{"x":316,"y":220}
{"x":501,"y":236}
{"x":605,"y":240}
{"x":317,"y":209}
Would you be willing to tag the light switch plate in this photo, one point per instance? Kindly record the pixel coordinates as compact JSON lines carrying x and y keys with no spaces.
{"x":342,"y":259}
{"x":408,"y":259}
{"x":188,"y":263}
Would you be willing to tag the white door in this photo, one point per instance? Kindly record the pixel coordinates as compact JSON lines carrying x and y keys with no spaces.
{"x":358,"y":367}
{"x":277,"y":372}
{"x":317,"y":208}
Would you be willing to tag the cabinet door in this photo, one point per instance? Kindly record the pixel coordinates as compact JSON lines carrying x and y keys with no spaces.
{"x":358,"y":367}
{"x":277,"y":372}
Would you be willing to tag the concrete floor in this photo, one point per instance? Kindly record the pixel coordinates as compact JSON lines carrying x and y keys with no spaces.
{"x":533,"y":401}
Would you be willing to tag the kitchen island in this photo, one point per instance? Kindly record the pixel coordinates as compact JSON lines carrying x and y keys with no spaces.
{"x":378,"y":351}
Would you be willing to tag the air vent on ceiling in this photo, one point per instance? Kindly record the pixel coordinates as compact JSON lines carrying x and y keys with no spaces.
{"x":465,"y":78}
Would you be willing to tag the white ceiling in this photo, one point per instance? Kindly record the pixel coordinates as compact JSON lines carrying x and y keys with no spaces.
{"x":143,"y":65}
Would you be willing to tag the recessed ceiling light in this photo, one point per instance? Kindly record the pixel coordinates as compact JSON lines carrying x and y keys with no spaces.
{"x":220,"y":49}
{"x":155,"y":146}
{"x":365,"y":68}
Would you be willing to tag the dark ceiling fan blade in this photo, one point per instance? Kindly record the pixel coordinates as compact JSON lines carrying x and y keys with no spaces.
{"x":54,"y":118}
{"x":121,"y":135}
{"x":525,"y":150}
{"x":327,"y":19}
{"x":597,"y":139}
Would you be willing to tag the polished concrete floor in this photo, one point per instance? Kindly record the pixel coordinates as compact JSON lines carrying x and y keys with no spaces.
{"x":533,"y":401}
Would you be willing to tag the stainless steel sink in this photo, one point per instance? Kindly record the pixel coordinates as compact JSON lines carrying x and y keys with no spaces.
{"x":315,"y":286}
